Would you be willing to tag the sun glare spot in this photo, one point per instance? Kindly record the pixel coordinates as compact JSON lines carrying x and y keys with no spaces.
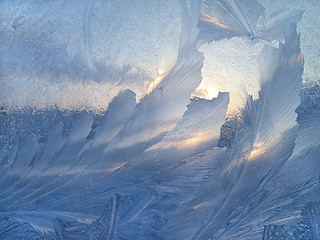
{"x":205,"y":93}
{"x":194,"y":140}
{"x":157,"y":81}
{"x":258,"y":150}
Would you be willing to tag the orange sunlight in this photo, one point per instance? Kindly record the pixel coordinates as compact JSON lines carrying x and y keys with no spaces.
{"x":157,"y":81}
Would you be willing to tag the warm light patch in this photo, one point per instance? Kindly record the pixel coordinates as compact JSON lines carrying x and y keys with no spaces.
{"x":199,"y":205}
{"x":204,"y":92}
{"x":300,"y":58}
{"x":194,"y":140}
{"x":157,"y":81}
{"x":110,"y":170}
{"x":258,"y":150}
{"x":215,"y":21}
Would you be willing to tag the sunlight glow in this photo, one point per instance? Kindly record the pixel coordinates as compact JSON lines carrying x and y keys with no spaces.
{"x":110,"y":170}
{"x":194,"y":140}
{"x":215,"y":21}
{"x":205,"y":92}
{"x":258,"y":150}
{"x":199,"y":205}
{"x":157,"y":81}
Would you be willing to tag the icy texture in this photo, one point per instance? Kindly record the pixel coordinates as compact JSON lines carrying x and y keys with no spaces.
{"x":310,"y":33}
{"x":188,"y":122}
{"x":220,"y":19}
{"x":232,"y":65}
{"x":59,"y":54}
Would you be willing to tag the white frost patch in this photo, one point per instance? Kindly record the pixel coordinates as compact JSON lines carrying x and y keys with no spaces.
{"x":230,"y":65}
{"x":92,"y":50}
{"x":309,"y":29}
{"x":41,"y":94}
